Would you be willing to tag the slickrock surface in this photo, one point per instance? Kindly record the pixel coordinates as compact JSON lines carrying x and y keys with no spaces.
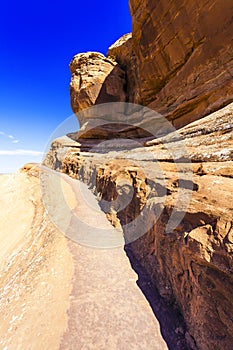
{"x":191,"y":263}
{"x":57,"y":294}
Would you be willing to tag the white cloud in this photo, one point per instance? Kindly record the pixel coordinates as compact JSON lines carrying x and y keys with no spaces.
{"x":20,"y":152}
{"x":11,"y":137}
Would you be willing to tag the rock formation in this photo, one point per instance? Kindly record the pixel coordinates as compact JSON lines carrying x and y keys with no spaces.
{"x":183,"y":56}
{"x":95,"y":80}
{"x":191,"y":265}
{"x":122,"y":52}
{"x":177,"y":220}
{"x":166,"y":195}
{"x":178,"y":60}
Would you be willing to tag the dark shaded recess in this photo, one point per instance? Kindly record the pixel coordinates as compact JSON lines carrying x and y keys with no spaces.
{"x":194,"y":220}
{"x":187,"y":184}
{"x":113,"y":130}
{"x":104,"y":96}
{"x":157,"y":190}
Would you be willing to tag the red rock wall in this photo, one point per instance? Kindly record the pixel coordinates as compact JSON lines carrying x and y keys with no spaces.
{"x":192,"y":264}
{"x":184,"y":56}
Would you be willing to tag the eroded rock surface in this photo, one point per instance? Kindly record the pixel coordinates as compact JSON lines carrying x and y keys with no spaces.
{"x":178,"y":61}
{"x":170,"y":192}
{"x":122,"y":51}
{"x":190,"y":263}
{"x":95,"y":79}
{"x":184,"y":56}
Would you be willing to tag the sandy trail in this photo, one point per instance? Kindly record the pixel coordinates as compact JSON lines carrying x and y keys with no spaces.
{"x":36,"y":269}
{"x":56,"y":293}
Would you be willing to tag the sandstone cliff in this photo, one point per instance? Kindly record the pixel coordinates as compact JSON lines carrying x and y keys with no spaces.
{"x":171,"y":193}
{"x":191,"y":264}
{"x":183,"y":52}
{"x":166,"y":195}
{"x":178,"y":61}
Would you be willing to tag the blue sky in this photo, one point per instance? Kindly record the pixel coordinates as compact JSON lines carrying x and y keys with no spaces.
{"x":37,"y":41}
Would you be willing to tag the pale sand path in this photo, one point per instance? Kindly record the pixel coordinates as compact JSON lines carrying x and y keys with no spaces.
{"x":76,"y":298}
{"x":35,"y":269}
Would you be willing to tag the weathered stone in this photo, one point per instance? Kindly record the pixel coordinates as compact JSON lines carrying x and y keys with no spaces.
{"x":192,"y":264}
{"x":179,"y":62}
{"x":100,"y":80}
{"x":95,"y":80}
{"x":122,"y":52}
{"x":181,"y":55}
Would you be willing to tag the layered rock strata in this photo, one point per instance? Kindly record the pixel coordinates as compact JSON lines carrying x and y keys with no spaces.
{"x":170,"y":192}
{"x":191,"y":263}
